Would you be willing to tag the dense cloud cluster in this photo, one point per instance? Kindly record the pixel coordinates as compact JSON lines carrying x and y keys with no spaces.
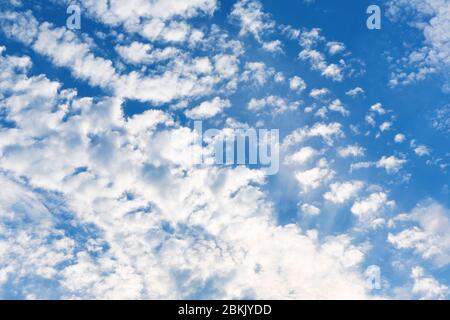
{"x":96,"y":202}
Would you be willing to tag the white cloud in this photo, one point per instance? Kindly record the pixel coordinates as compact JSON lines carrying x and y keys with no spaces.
{"x":370,"y":120}
{"x":431,"y":18}
{"x":328,"y":132}
{"x":251,"y":18}
{"x":355,"y":92}
{"x":35,"y":247}
{"x":297,"y":84}
{"x":337,"y":106}
{"x":361,"y":165}
{"x":430,"y":237}
{"x":319,"y":93}
{"x":309,"y":209}
{"x":278,"y":104}
{"x":159,"y":216}
{"x":279,"y":77}
{"x":130,"y":177}
{"x":317,"y":61}
{"x":351,"y":151}
{"x":23,"y":27}
{"x":256,"y":72}
{"x":378,"y":108}
{"x":67,"y":49}
{"x":332,"y":71}
{"x":441,"y":119}
{"x":138,"y":53}
{"x":342,"y":192}
{"x":422,"y":151}
{"x":163,"y":9}
{"x":311,"y":38}
{"x":152,"y":19}
{"x":369,"y":209}
{"x":427,"y":287}
{"x":321,"y":112}
{"x":226,"y":65}
{"x":400,"y":138}
{"x":273,"y":46}
{"x":335,"y":47}
{"x":314,"y":178}
{"x":390,"y":164}
{"x":302,"y":156}
{"x":385,"y":126}
{"x":208,"y":109}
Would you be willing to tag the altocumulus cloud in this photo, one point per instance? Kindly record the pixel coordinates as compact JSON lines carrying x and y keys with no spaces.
{"x":101,"y":200}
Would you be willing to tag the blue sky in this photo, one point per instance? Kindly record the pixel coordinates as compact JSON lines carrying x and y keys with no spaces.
{"x":99,"y":196}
